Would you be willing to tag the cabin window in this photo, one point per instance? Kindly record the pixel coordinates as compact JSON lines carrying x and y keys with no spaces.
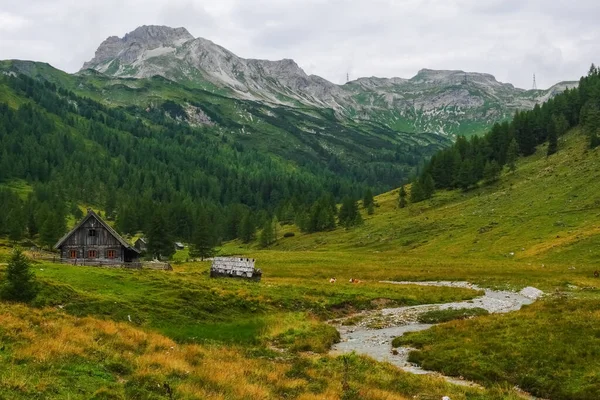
{"x":92,"y":254}
{"x":73,"y":254}
{"x":111,"y":254}
{"x":92,"y":232}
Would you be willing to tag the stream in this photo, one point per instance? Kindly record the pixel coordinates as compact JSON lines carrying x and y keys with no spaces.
{"x":374,"y":330}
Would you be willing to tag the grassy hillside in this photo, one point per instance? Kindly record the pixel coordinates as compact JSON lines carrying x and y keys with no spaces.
{"x":528,"y":228}
{"x":537,"y":226}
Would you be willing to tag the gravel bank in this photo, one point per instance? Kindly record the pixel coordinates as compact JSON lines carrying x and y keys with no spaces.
{"x":372,"y":335}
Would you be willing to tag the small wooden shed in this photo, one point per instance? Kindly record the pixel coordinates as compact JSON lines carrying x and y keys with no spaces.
{"x":235,"y":267}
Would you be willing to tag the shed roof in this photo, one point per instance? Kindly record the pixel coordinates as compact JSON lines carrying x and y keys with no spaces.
{"x":92,"y":214}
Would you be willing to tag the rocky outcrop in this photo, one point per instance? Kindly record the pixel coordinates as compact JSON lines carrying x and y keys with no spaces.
{"x":446,"y":102}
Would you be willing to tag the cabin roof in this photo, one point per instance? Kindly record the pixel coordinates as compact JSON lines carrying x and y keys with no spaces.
{"x":110,"y":230}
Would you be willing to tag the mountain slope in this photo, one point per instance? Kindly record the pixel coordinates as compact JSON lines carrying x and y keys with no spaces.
{"x":312,"y":137}
{"x":446,"y":102}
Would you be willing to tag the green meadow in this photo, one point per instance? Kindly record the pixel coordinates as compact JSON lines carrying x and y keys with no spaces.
{"x":114,"y":334}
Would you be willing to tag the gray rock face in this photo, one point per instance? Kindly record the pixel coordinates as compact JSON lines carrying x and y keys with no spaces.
{"x":446,"y":102}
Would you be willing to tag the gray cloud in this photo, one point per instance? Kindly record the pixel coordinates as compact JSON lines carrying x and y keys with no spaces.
{"x":512,"y":39}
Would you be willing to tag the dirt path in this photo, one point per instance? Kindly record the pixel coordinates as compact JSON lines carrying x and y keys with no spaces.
{"x":373,"y":332}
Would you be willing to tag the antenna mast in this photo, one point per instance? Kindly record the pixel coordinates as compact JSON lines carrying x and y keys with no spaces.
{"x":534,"y":84}
{"x":347,"y":77}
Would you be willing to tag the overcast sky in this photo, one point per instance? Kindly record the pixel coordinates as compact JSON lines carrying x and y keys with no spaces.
{"x":511,"y":39}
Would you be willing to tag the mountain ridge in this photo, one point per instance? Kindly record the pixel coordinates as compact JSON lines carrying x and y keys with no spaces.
{"x":448,"y":102}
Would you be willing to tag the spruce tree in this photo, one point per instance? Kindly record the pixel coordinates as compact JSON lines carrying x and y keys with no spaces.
{"x":48,"y":232}
{"x":370,"y":209}
{"x":349,"y":215}
{"x":16,"y":225}
{"x":428,"y":186}
{"x":402,"y":197}
{"x":491,"y":172}
{"x":512,"y":154}
{"x":160,"y":244}
{"x":465,"y":178}
{"x":552,"y":141}
{"x":202,"y":244}
{"x":19,"y":284}
{"x":416,"y":192}
{"x":247,"y":228}
{"x":368,"y":199}
{"x":267,"y":235}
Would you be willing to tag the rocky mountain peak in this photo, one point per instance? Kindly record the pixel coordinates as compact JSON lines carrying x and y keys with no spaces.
{"x":143,"y":38}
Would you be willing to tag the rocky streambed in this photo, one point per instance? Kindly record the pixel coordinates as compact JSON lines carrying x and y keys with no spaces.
{"x":371,"y":332}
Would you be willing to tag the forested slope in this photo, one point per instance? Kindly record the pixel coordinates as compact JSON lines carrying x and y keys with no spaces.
{"x":469,"y":161}
{"x":147,"y":162}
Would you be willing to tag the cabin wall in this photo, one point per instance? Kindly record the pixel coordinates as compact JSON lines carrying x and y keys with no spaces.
{"x":101,"y":242}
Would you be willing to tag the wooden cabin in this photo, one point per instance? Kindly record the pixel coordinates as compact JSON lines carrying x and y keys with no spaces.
{"x":93,"y":242}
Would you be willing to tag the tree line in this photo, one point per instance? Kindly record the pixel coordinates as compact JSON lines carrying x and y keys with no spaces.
{"x":151,"y":175}
{"x":470,"y":161}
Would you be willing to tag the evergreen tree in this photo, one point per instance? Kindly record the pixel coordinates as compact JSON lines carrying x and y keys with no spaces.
{"x":267,"y":234}
{"x":561,"y":124}
{"x":402,"y":197}
{"x":428,"y":186}
{"x":465,"y":178}
{"x":19,"y":284}
{"x":48,"y":231}
{"x":349,"y":215}
{"x":160,"y":243}
{"x":247,"y":228}
{"x":552,"y":141}
{"x":370,"y":209}
{"x":110,"y":205}
{"x":492,"y":171}
{"x":512,"y":154}
{"x":32,"y":228}
{"x":416,"y":192}
{"x":16,"y":224}
{"x":202,"y":244}
{"x":368,"y":199}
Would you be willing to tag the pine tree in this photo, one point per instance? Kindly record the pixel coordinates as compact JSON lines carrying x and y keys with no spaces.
{"x":465,"y":178}
{"x":428,"y":186}
{"x":16,"y":224}
{"x":160,"y":244}
{"x":267,"y":235}
{"x":402,"y":197}
{"x":247,"y":228}
{"x":202,"y":244}
{"x":491,"y":172}
{"x":110,"y":204}
{"x":32,"y":228}
{"x":368,"y":199}
{"x":349,"y":215}
{"x":19,"y":283}
{"x":512,"y":154}
{"x":48,"y":231}
{"x":552,"y":141}
{"x":370,"y":209}
{"x":416,"y":192}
